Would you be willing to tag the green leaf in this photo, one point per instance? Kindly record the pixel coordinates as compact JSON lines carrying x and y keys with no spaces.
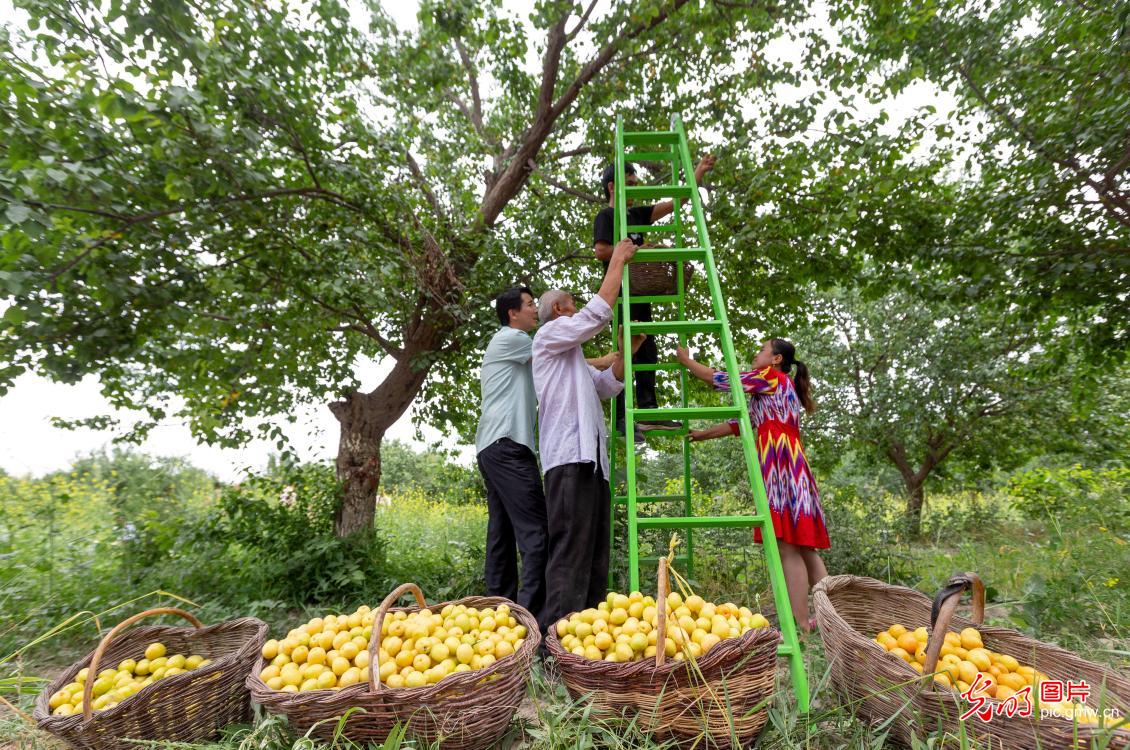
{"x":17,"y":213}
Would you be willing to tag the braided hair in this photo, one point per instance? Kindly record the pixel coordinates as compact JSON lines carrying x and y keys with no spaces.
{"x":787,"y":350}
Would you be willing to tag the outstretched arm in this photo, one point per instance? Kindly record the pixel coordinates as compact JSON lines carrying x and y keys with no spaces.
{"x":717,"y":431}
{"x":621,"y":254}
{"x":659,"y":210}
{"x":700,"y":371}
{"x":607,"y":360}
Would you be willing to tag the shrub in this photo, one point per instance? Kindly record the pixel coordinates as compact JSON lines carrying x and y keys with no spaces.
{"x":1085,"y":518}
{"x":280,"y":527}
{"x":1074,"y":496}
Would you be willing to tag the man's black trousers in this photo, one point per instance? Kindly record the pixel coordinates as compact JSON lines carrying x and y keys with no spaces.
{"x":648,"y":354}
{"x":578,"y":502}
{"x":517,"y":511}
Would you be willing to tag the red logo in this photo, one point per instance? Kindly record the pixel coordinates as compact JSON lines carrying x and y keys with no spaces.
{"x":1017,"y":704}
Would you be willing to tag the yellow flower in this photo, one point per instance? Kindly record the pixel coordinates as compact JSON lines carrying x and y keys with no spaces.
{"x":1111,"y":582}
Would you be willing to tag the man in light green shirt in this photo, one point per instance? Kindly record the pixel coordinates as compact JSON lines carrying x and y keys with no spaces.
{"x":506,"y":446}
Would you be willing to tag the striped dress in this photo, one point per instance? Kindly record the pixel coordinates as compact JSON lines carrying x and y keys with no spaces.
{"x":774,"y":410}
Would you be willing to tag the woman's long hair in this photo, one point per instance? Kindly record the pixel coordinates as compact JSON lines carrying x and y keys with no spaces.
{"x":801,"y":380}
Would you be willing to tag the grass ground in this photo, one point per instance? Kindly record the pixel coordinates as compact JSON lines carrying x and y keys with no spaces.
{"x":1058,"y":583}
{"x":549,"y":720}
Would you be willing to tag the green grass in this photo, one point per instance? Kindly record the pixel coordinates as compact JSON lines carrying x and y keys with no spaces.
{"x":1054,"y":576}
{"x":437,"y":545}
{"x":551,"y":720}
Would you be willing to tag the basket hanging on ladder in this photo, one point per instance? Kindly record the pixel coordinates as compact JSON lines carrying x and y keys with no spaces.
{"x":186,"y":707}
{"x":464,"y":711}
{"x":657,"y":278}
{"x":882,"y":688}
{"x":719,"y":701}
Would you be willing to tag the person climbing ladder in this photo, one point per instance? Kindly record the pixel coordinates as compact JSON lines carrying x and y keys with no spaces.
{"x":775,"y":403}
{"x":602,"y":241}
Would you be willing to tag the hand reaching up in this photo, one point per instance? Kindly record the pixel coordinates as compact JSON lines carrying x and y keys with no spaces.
{"x":705,"y":164}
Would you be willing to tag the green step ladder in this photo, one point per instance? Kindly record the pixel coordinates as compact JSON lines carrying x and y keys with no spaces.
{"x":670,"y":146}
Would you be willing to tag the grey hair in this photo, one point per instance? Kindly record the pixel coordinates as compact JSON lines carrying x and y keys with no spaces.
{"x":546,"y":302}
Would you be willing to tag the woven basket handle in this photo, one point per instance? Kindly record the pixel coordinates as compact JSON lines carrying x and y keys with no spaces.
{"x":664,"y":588}
{"x":942,"y":612}
{"x":378,"y":629}
{"x":92,"y":672}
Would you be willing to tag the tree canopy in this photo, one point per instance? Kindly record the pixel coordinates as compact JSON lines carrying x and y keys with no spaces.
{"x":229,"y":203}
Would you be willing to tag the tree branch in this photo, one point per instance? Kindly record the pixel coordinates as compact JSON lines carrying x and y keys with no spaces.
{"x":462,"y":105}
{"x":550,"y":63}
{"x":418,"y":178}
{"x":1117,"y":204}
{"x":606,"y":54}
{"x":370,"y":332}
{"x":476,"y":114}
{"x":505,"y":184}
{"x":529,"y":276}
{"x":570,"y":153}
{"x":581,"y":23}
{"x":74,"y":209}
{"x":563,"y":187}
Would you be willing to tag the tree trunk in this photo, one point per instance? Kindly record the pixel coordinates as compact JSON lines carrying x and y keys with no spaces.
{"x":915,"y":499}
{"x":358,"y":462}
{"x":364,"y":419}
{"x":914,"y":483}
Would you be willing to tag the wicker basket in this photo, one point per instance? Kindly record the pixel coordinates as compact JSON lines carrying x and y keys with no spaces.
{"x":464,"y":711}
{"x":657,"y":278}
{"x":183,"y":708}
{"x":851,"y":609}
{"x":720,"y":703}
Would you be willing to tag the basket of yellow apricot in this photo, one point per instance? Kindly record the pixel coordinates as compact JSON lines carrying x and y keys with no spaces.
{"x":157,"y":683}
{"x":914,"y":665}
{"x":451,"y":675}
{"x":692,"y":671}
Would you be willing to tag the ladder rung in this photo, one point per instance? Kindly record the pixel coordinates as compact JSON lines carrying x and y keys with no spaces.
{"x":647,"y":192}
{"x":623,"y":499}
{"x":650,"y":137}
{"x":784,"y":650}
{"x":659,"y":366}
{"x":678,"y":558}
{"x":649,"y":156}
{"x":689,"y":412}
{"x":642,"y":228}
{"x":669,"y":253}
{"x":656,"y":298}
{"x":699,"y":522}
{"x":678,"y":326}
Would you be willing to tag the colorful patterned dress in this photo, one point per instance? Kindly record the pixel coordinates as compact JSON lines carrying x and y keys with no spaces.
{"x":774,"y":409}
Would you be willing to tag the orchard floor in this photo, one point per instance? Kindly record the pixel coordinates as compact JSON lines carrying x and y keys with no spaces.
{"x":548,"y":719}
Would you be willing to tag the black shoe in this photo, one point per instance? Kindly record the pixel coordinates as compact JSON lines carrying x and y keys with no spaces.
{"x":639,"y":438}
{"x":659,"y":424}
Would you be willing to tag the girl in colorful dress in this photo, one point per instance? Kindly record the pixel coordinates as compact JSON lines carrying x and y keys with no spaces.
{"x":775,"y":403}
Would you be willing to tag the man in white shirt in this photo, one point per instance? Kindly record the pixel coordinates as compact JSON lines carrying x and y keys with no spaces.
{"x":507,"y":458}
{"x":574,"y":440}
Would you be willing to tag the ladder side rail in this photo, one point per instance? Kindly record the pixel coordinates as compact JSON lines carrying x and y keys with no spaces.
{"x":749,"y":442}
{"x":628,"y":394}
{"x":684,"y":383}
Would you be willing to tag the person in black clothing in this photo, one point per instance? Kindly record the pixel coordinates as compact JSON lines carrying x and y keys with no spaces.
{"x":603,"y":239}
